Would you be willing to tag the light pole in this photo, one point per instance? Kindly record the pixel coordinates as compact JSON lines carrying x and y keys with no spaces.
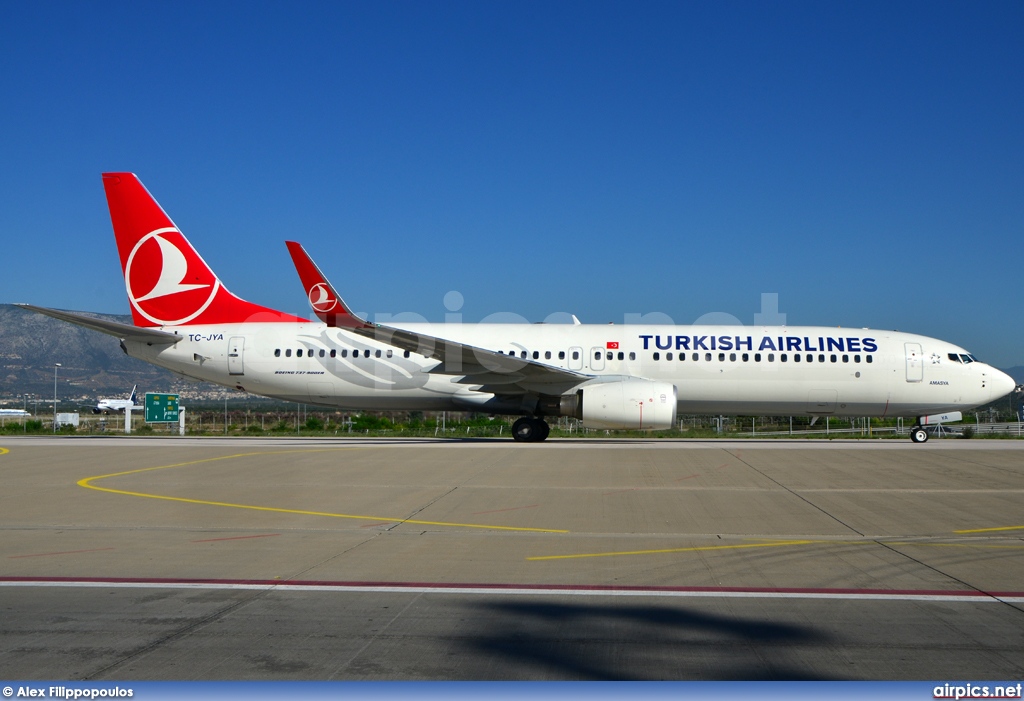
{"x":55,"y":366}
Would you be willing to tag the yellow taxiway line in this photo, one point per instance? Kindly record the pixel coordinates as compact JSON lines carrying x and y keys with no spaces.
{"x":88,"y":484}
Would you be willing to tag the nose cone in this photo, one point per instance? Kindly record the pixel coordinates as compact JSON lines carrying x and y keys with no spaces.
{"x":1001,"y":383}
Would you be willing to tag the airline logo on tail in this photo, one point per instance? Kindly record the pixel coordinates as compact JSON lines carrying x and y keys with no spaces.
{"x":162,"y":264}
{"x":321,"y":298}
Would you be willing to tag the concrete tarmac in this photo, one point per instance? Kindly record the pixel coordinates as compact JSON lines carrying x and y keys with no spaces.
{"x":177,"y":558}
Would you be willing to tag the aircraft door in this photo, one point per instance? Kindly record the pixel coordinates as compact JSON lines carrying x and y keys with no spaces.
{"x":575,"y":358}
{"x":915,"y":362}
{"x":236,"y":348}
{"x":597,"y":358}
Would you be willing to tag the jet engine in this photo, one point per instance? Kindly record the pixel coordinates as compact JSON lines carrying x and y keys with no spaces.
{"x":623,"y":403}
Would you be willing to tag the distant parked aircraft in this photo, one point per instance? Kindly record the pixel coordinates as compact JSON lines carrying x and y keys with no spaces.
{"x":14,"y":412}
{"x":107,"y":406}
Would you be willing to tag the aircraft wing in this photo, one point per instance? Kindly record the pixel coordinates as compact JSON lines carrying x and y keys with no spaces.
{"x":125,"y":332}
{"x":496,"y":373}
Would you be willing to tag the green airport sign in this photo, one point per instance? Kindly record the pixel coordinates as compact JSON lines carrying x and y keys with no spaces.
{"x":161,"y":408}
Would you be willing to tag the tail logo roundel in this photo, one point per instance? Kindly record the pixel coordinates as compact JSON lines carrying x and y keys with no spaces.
{"x":321,"y":299}
{"x":167,"y":282}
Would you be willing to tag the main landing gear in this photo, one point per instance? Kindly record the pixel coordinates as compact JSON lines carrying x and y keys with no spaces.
{"x":918,"y":434}
{"x":530,"y":430}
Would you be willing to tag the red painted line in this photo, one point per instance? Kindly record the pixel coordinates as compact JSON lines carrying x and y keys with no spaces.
{"x":67,"y":552}
{"x":237,"y":537}
{"x":382,"y":523}
{"x":498,"y":511}
{"x":342,"y":584}
{"x":721,"y":466}
{"x":688,"y":477}
{"x":620,"y":491}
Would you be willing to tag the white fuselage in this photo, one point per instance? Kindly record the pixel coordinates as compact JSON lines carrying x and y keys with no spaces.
{"x":716,"y":369}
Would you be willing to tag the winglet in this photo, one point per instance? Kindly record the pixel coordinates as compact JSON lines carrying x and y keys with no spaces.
{"x":325,"y":302}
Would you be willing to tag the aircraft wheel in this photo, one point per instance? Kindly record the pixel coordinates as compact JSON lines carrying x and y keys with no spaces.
{"x":543,"y":430}
{"x":918,"y":435}
{"x":524,"y":429}
{"x":530,"y":430}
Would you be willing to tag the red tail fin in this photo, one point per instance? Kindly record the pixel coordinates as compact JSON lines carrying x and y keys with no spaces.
{"x":168,"y":282}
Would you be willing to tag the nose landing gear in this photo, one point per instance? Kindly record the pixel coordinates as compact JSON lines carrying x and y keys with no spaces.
{"x":530,"y":430}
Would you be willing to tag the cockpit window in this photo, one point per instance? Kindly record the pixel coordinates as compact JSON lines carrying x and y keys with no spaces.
{"x":966,"y":358}
{"x":954,"y":357}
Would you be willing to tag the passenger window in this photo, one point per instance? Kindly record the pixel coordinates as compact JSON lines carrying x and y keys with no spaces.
{"x":732,"y":357}
{"x":522,"y":354}
{"x":561,"y":355}
{"x":376,"y":354}
{"x":322,"y":352}
{"x":298,"y":353}
{"x":632,"y":355}
{"x":707,"y":357}
{"x":846,"y":358}
{"x":536,"y":355}
{"x":771,"y":357}
{"x":547,"y":355}
{"x":796,"y":357}
{"x":868,"y":359}
{"x":334,"y":353}
{"x":406,"y":354}
{"x":668,"y":356}
{"x":622,"y":356}
{"x":721,"y":357}
{"x":810,"y":358}
{"x":277,"y":352}
{"x":696,"y":357}
{"x":832,"y":358}
{"x":288,"y":352}
{"x":344,"y":352}
{"x":597,"y":355}
{"x":856,"y":358}
{"x":611,"y":356}
{"x":575,"y":355}
{"x":746,"y":357}
{"x":657,"y":356}
{"x":390,"y":353}
{"x":366,"y":353}
{"x":784,"y":357}
{"x":821,"y":357}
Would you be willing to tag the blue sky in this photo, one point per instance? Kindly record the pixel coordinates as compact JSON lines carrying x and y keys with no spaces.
{"x":864,"y":160}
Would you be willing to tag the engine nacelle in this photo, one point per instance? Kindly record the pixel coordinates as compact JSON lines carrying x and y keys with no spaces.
{"x":627,"y":403}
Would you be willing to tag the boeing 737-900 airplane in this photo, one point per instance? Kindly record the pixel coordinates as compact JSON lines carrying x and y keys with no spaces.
{"x":613,"y":377}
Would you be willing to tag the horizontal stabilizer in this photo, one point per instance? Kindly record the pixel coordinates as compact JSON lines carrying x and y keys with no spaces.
{"x":125,"y":332}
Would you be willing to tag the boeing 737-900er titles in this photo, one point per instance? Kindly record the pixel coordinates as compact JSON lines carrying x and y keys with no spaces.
{"x":613,"y":377}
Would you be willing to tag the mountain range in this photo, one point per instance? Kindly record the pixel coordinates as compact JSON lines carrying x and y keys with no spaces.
{"x":91,"y":364}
